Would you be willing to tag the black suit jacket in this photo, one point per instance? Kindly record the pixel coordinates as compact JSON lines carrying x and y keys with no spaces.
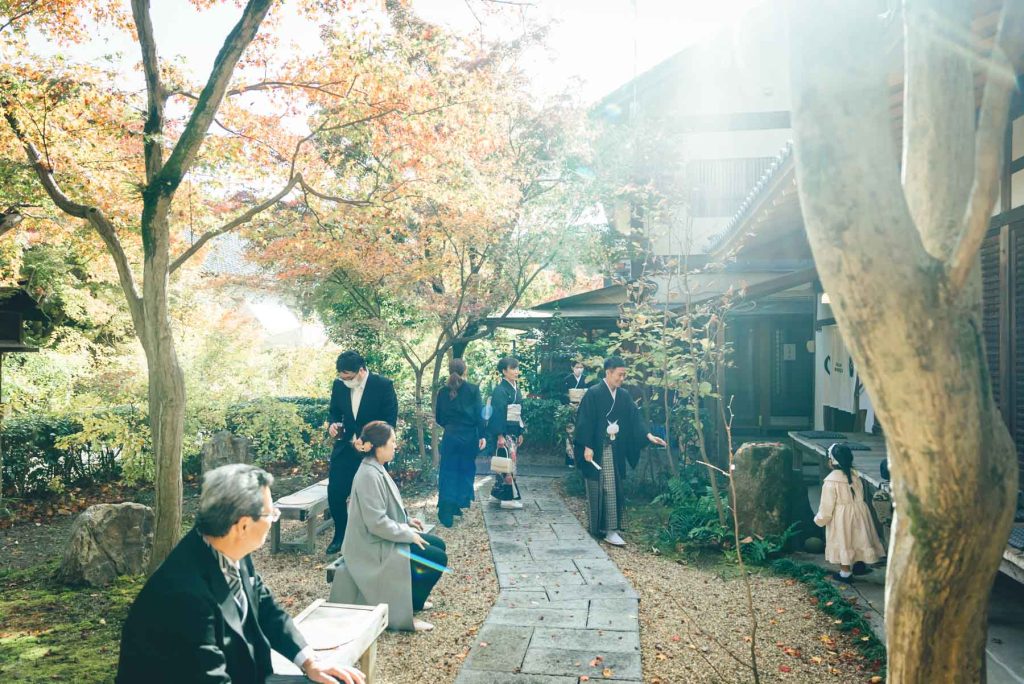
{"x":185,"y":626}
{"x":379,"y":402}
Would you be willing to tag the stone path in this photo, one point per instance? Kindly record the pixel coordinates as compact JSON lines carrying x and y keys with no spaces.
{"x":563,"y":611}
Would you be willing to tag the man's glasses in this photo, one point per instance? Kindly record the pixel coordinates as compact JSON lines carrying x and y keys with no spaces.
{"x":274,"y":515}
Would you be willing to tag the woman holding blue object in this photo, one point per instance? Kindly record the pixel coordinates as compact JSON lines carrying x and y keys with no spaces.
{"x":386,"y":553}
{"x":459,"y":411}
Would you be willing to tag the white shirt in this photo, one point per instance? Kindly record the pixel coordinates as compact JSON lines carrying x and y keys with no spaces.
{"x":356,"y":396}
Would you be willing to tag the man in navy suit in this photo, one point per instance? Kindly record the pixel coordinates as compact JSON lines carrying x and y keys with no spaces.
{"x":358,"y":397}
{"x":205,"y":616}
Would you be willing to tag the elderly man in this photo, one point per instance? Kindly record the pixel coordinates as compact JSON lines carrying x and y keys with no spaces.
{"x":205,"y":614}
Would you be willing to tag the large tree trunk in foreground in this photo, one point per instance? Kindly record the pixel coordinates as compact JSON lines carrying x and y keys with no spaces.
{"x":885,"y":254}
{"x":167,"y":422}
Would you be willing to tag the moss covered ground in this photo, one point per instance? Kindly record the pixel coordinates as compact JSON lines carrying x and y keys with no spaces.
{"x":52,"y":633}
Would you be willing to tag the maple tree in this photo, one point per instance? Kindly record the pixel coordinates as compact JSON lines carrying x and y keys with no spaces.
{"x":158,"y":172}
{"x":489,"y":194}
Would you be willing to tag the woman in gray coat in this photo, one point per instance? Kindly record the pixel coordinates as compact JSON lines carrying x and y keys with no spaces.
{"x":388,"y":556}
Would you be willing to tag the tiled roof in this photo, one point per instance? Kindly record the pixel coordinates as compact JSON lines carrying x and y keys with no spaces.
{"x":771,"y":173}
{"x":226,"y":257}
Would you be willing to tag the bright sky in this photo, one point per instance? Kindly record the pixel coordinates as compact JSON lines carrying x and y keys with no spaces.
{"x":602,"y":42}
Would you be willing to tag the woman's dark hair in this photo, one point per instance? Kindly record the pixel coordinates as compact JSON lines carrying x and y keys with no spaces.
{"x":457,"y":371}
{"x":350,"y":362}
{"x":843,"y":457}
{"x":507,"y":362}
{"x":376,"y":433}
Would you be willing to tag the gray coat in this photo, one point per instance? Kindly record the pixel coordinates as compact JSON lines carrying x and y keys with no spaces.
{"x":378,"y":530}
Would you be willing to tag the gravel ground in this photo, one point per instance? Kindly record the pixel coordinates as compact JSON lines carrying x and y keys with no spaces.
{"x":461,"y":599}
{"x":691,"y":618}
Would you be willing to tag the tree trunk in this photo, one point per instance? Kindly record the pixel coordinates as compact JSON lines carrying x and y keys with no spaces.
{"x":418,"y":399}
{"x":435,"y":429}
{"x":915,"y":337}
{"x":166,"y":422}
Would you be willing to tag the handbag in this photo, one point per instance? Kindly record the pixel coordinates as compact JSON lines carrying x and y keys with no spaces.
{"x":502,"y":464}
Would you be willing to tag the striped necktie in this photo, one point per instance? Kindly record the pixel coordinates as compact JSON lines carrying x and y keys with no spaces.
{"x":234,"y":580}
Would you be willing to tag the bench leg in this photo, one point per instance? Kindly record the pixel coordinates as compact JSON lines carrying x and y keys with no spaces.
{"x":275,"y":536}
{"x":368,"y":663}
{"x":311,"y":534}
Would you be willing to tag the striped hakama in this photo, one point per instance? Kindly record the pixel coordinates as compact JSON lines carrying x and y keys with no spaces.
{"x":602,"y":496}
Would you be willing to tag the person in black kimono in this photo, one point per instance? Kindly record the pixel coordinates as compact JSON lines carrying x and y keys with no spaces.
{"x":573,"y":387}
{"x":573,"y":381}
{"x":610,"y":432}
{"x":358,"y":397}
{"x":505,"y":429}
{"x":459,"y":411}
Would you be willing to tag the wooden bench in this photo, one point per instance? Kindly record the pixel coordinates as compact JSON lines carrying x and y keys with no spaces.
{"x":340,"y":634}
{"x":332,"y":567}
{"x":305,"y":505}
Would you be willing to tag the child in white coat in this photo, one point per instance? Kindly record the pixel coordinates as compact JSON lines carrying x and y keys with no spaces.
{"x":850,"y":535}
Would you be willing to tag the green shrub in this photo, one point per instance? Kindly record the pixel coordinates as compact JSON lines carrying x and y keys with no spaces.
{"x":44,"y":453}
{"x":121,"y":438}
{"x":276,"y":429}
{"x":546,"y":420}
{"x":32,"y":458}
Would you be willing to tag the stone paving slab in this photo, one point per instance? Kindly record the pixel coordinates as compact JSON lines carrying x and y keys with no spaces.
{"x":569,"y":531}
{"x":557,"y":661}
{"x":561,"y":603}
{"x":612,"y":614}
{"x":483,"y":677}
{"x":542,"y":550}
{"x":596,"y":640}
{"x":592,"y":591}
{"x":509,"y":550}
{"x":552,"y":504}
{"x":505,"y":649}
{"x":527,"y":565}
{"x":527,"y":597}
{"x":533,"y":617}
{"x":539,"y":579}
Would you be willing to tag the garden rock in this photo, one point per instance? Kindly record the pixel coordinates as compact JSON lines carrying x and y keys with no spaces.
{"x":108,"y":540}
{"x":224,"y":448}
{"x":767,"y":495}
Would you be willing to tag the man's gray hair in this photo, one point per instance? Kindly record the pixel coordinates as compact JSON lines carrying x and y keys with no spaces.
{"x":229,"y":493}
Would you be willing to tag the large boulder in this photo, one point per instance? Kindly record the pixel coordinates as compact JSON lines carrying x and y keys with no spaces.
{"x":770,"y":495}
{"x":224,"y":448}
{"x":108,"y":540}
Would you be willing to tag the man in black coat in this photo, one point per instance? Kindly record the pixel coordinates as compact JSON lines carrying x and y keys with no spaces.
{"x":358,"y":397}
{"x":610,"y":432}
{"x":205,"y":616}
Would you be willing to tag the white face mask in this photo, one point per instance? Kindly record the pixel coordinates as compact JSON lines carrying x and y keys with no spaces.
{"x":351,"y":384}
{"x":577,"y":372}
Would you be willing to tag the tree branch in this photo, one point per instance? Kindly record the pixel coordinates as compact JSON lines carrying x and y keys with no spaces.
{"x":191,"y":139}
{"x":332,"y":198}
{"x":938,"y":119}
{"x":20,"y":15}
{"x":154,"y":126}
{"x":91,"y":214}
{"x":234,"y":223}
{"x":988,"y":156}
